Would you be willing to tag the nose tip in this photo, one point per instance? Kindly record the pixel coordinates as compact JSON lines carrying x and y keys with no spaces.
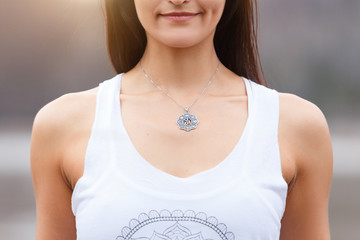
{"x":178,"y":2}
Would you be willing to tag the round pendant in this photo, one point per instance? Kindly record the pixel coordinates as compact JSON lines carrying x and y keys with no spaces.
{"x":187,"y":122}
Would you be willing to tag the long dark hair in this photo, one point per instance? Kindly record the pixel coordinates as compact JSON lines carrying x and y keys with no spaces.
{"x":235,"y":37}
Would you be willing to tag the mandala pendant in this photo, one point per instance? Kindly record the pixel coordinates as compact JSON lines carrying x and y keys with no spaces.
{"x":187,"y":121}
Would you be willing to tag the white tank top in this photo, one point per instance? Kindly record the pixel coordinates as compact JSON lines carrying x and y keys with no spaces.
{"x":121,"y":196}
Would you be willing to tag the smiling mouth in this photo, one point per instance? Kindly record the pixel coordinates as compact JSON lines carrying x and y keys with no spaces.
{"x":179,"y":16}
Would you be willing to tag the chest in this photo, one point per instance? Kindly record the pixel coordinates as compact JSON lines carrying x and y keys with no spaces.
{"x":157,"y":138}
{"x":154,"y":136}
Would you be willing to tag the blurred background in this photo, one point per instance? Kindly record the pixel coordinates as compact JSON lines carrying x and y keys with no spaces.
{"x":48,"y":48}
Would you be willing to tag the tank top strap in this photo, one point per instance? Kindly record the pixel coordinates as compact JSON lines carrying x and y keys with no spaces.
{"x":263,"y":163}
{"x":107,"y":97}
{"x":106,"y":127}
{"x":101,"y":144}
{"x":266,"y":112}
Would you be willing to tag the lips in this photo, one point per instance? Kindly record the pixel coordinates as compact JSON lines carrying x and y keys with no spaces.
{"x":179,"y":16}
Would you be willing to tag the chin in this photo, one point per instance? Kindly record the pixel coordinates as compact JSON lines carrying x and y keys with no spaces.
{"x":179,"y":43}
{"x":180,"y":40}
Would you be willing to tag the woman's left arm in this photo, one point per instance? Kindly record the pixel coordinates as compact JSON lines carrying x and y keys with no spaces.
{"x":308,"y":139}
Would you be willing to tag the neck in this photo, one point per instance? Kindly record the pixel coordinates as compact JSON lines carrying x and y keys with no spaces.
{"x":180,"y":69}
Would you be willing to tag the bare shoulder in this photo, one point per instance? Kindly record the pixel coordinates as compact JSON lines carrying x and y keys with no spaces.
{"x":60,"y":127}
{"x":58,"y":122}
{"x":305,"y":126}
{"x":65,"y":109}
{"x":305,"y":138}
{"x":302,"y":115}
{"x":296,"y":106}
{"x":59,"y":117}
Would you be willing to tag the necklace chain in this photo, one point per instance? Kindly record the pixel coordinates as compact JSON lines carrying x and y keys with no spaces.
{"x":185,"y":108}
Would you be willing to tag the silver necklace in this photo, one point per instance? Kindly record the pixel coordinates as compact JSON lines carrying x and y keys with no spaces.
{"x":186,"y":121}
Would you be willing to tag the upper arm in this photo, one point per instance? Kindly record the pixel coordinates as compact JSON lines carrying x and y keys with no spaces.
{"x":308,"y":139}
{"x":55,"y":219}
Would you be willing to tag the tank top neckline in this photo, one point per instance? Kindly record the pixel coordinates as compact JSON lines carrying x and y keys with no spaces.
{"x":238,"y":149}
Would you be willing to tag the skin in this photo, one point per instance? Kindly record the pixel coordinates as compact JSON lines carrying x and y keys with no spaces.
{"x":62,"y":128}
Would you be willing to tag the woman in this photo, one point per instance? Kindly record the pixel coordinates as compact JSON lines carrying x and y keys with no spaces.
{"x":187,"y":141}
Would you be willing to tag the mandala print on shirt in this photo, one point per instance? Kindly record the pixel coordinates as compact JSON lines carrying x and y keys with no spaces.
{"x":175,"y":226}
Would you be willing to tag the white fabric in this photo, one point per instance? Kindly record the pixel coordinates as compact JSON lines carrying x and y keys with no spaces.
{"x":122,"y":196}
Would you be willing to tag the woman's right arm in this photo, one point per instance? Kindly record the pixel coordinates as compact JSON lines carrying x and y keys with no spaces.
{"x":55,"y":219}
